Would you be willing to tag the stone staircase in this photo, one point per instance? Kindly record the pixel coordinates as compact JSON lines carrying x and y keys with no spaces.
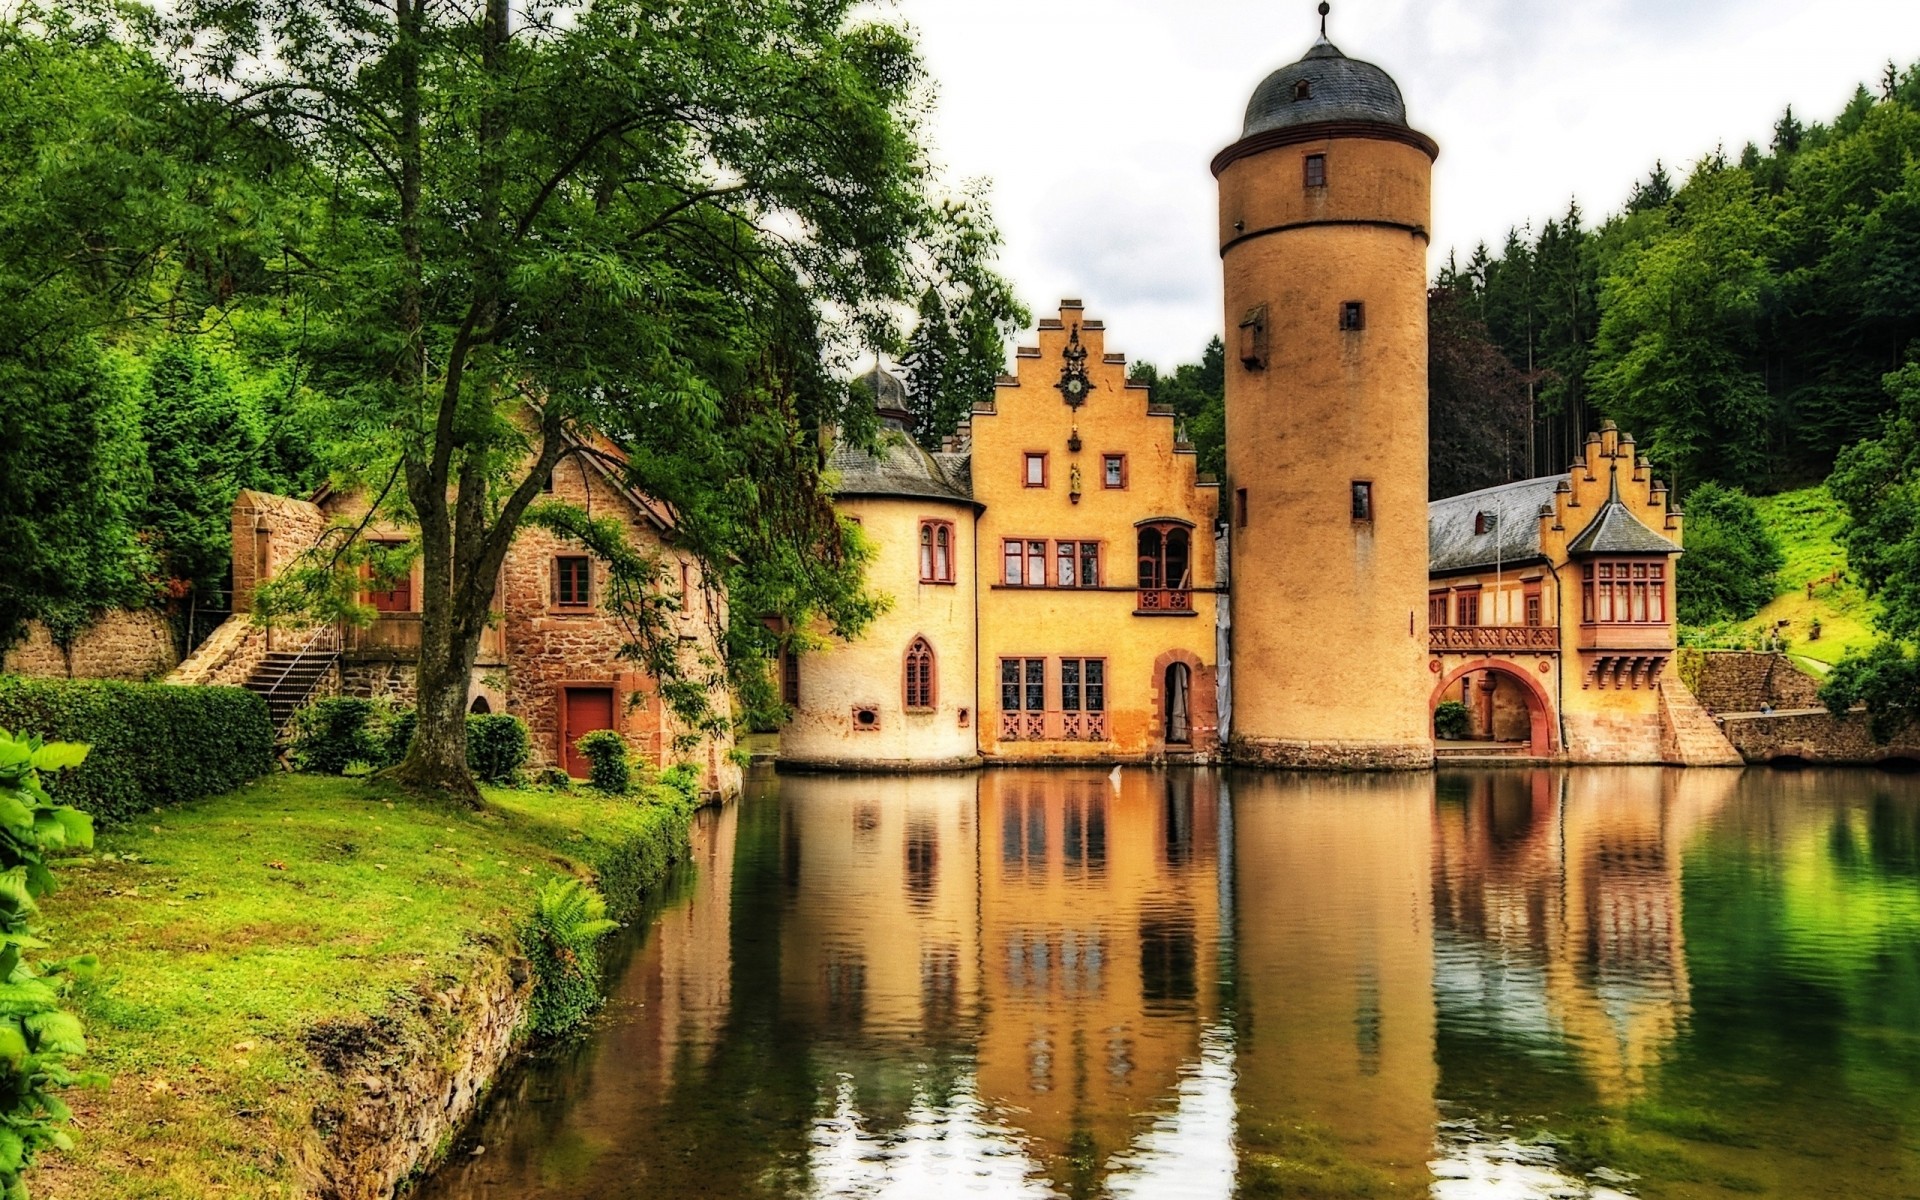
{"x":285,"y":678}
{"x":1688,"y":736}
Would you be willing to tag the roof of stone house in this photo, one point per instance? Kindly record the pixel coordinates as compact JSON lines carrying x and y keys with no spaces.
{"x":899,"y":467}
{"x":1452,"y":544}
{"x":1338,"y":88}
{"x":1615,"y":530}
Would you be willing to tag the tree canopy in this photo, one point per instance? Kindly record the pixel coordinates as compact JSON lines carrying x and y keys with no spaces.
{"x":507,"y":233}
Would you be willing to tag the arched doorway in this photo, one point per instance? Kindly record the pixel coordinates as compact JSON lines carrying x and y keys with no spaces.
{"x":1177,"y":729}
{"x":1506,"y":706}
{"x":480,"y":707}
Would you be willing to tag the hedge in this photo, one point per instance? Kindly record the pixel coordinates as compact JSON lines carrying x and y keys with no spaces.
{"x":154,"y":744}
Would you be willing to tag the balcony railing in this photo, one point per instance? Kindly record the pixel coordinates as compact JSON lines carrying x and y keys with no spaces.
{"x":1533,"y":638}
{"x":396,"y":636}
{"x":1053,"y":726}
{"x":1165,"y":600}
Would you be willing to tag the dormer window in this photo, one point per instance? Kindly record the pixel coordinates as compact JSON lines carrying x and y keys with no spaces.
{"x":1482,"y":522}
{"x":1303,"y":90}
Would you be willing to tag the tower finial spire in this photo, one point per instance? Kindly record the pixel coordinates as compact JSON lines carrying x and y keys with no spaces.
{"x":1325,"y":8}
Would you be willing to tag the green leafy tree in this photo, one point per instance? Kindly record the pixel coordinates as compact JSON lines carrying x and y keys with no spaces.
{"x":1198,"y":394}
{"x":1477,"y":407}
{"x":79,"y":200}
{"x":38,"y":1038}
{"x":1674,"y":358}
{"x":1732,"y":560}
{"x":528,"y":231}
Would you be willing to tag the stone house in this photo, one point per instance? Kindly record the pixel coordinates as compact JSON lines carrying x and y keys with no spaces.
{"x":552,"y":658}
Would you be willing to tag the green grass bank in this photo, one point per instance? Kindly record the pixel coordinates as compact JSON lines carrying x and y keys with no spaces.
{"x":1807,"y":524}
{"x":274,"y":959}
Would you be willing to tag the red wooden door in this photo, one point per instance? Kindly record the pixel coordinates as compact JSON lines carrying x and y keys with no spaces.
{"x":582,"y":710}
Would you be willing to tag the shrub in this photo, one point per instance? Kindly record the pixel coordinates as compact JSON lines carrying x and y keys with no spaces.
{"x":1732,"y":559}
{"x":335,"y":733}
{"x":37,"y":1036}
{"x":496,"y":746}
{"x":610,"y":771}
{"x":152,"y":744}
{"x":1450,"y":720}
{"x":683,"y":778}
{"x":1885,"y":679}
{"x":562,"y":941}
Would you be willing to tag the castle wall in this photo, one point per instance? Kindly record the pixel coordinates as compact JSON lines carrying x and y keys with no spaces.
{"x":867,"y":674}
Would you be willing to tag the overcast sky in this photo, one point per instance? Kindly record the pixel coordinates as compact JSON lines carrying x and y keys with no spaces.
{"x":1095,"y":122}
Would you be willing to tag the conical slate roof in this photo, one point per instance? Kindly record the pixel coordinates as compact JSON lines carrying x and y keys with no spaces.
{"x":1615,"y":530}
{"x":1325,"y":85}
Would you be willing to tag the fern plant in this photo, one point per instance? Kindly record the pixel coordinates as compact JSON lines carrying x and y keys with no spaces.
{"x":562,"y":939}
{"x":38,"y":1038}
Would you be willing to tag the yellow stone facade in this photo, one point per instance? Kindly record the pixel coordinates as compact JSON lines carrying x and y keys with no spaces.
{"x":1142,"y":624}
{"x":1055,"y":568}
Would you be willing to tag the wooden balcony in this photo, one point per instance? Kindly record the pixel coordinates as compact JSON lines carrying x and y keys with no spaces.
{"x":1164,"y":602}
{"x":1475,"y":639}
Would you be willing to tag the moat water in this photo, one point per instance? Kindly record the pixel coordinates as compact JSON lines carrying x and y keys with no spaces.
{"x":1501,"y":984}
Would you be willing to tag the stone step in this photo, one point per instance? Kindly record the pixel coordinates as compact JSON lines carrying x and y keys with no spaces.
{"x":1690,"y":736}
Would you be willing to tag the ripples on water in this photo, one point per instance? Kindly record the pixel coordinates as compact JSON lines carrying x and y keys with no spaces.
{"x":1512,"y":984}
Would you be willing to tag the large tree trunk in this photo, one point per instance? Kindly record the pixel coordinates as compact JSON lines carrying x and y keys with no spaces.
{"x":437,"y":758}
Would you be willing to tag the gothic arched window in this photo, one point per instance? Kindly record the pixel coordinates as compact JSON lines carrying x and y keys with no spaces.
{"x":920,"y":677}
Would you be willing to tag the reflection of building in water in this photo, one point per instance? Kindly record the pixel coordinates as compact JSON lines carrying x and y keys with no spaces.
{"x":1099,"y":918}
{"x":879,"y":936}
{"x":686,"y":985}
{"x":1334,"y":965}
{"x":1557,"y":907}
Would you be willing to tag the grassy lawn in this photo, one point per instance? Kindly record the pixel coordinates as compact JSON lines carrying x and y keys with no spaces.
{"x":1807,"y":522}
{"x":227,"y":929}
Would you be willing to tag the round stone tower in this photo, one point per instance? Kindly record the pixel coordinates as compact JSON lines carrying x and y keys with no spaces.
{"x":1324,"y":204}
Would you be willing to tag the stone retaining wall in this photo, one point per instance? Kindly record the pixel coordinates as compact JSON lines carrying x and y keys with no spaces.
{"x":1739,"y":681}
{"x":1815,"y":736}
{"x":122,"y":644}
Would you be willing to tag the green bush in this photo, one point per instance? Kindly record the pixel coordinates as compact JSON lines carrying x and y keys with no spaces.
{"x":610,"y":771}
{"x":153,"y":744}
{"x":683,"y":778}
{"x":1450,"y":720}
{"x":37,"y":1036}
{"x":1732,"y":562}
{"x":336,"y":733}
{"x":496,"y":746}
{"x":562,"y":940}
{"x":333,"y":733}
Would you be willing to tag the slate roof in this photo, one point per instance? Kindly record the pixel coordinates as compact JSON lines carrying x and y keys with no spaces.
{"x":1452,"y":545}
{"x":901,"y":468}
{"x":1339,"y":89}
{"x":1615,"y":530}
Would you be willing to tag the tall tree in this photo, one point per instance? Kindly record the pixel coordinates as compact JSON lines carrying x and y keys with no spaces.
{"x":526,"y":230}
{"x":1197,"y":392}
{"x":1476,"y":401}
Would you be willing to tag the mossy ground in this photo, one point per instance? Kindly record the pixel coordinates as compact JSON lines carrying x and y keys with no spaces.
{"x":1807,"y":523}
{"x":229,"y":929}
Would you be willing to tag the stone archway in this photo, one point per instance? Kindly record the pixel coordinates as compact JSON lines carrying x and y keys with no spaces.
{"x":1542,"y":738}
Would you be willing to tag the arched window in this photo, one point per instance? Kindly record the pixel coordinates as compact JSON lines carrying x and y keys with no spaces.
{"x":1166,"y":567}
{"x":936,"y":552}
{"x":920,"y":676}
{"x":480,"y":706}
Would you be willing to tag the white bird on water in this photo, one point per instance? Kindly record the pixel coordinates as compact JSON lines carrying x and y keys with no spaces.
{"x":1115,"y":778}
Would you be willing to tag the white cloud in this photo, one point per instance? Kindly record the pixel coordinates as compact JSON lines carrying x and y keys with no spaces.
{"x":1096,"y":122}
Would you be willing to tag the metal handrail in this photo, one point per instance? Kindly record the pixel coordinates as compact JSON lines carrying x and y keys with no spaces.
{"x":305,"y":649}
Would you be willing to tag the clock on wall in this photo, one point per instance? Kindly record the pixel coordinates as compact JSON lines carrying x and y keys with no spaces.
{"x":1074,"y":383}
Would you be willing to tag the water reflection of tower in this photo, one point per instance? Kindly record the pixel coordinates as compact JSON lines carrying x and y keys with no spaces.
{"x":1098,"y":921}
{"x":1334,"y":979}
